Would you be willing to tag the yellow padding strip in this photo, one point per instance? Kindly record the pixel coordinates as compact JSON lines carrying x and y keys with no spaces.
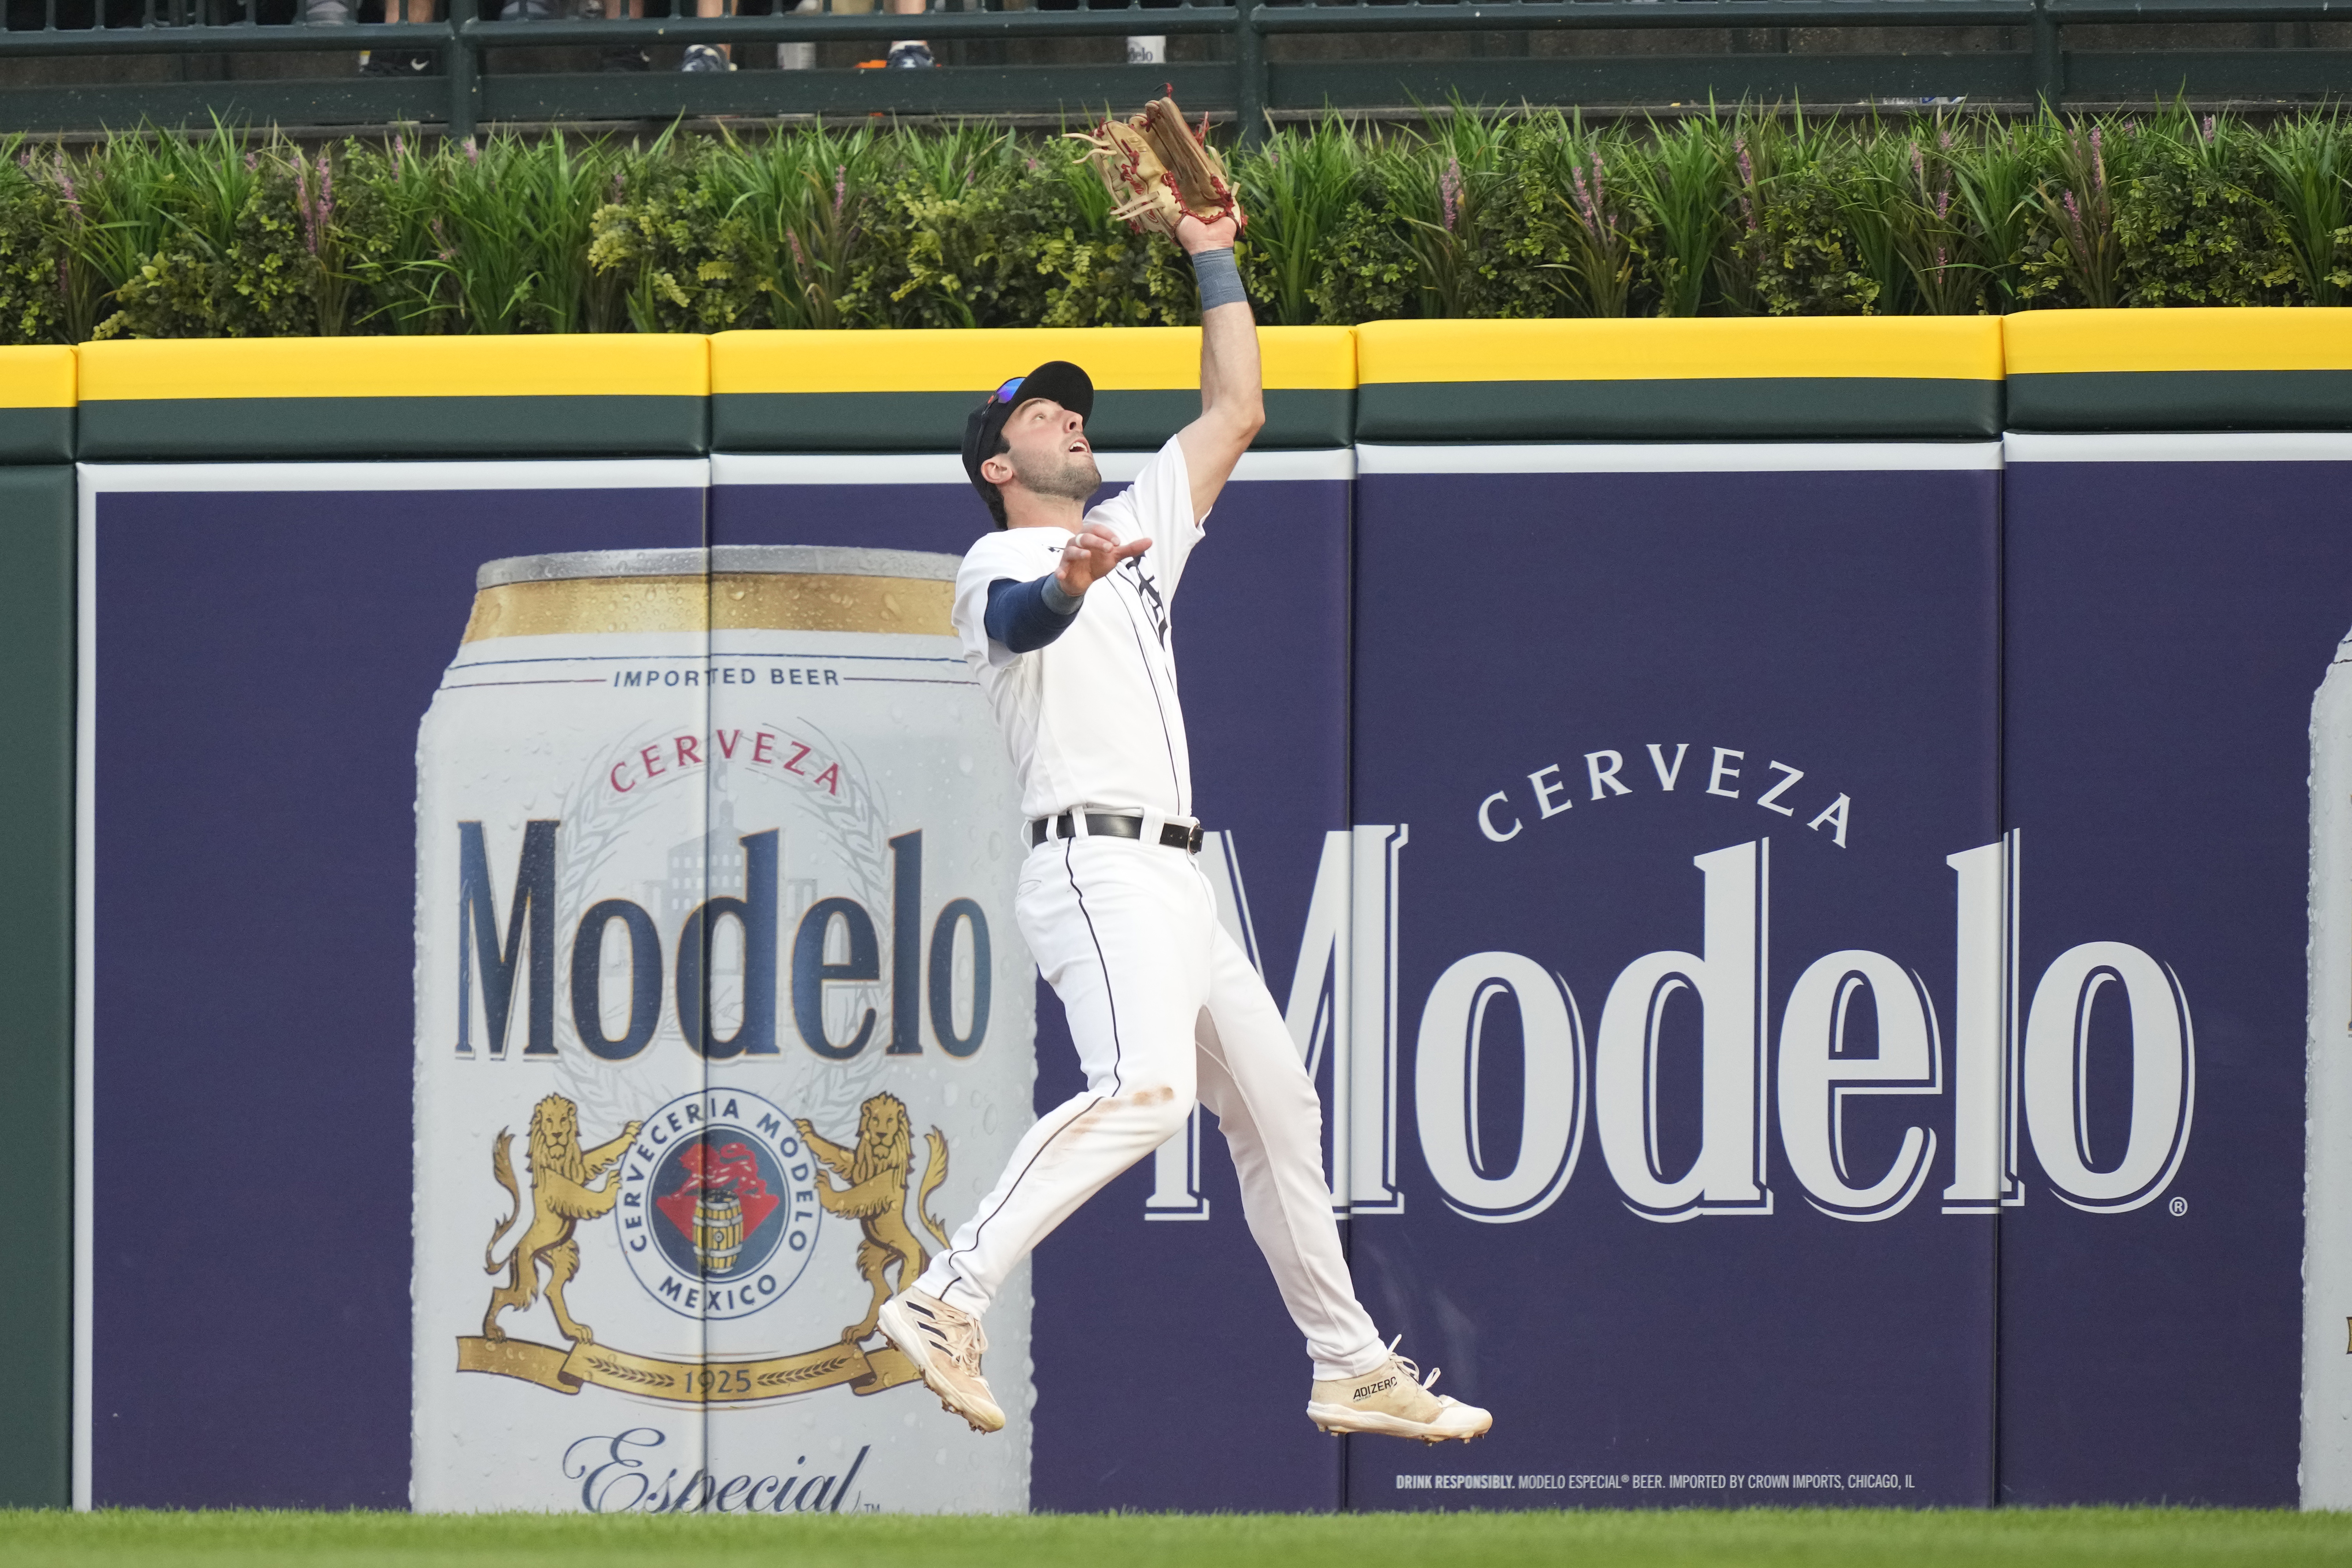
{"x":36,"y":378}
{"x":2054,"y":342}
{"x":615,"y":364}
{"x":1963,"y":347}
{"x":1119,"y":359}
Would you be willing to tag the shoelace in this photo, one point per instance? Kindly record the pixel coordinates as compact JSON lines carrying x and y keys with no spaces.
{"x":966,"y":1341}
{"x":1406,"y":1365}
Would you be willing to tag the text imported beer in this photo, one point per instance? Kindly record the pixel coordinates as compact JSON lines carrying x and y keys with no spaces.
{"x":721,"y":1021}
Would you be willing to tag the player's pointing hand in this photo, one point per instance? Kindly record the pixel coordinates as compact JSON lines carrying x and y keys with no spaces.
{"x":1093,"y":555}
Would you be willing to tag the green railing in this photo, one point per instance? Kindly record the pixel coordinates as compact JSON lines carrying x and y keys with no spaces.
{"x":2002,"y":51}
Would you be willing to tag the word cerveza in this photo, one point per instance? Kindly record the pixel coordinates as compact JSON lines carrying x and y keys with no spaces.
{"x":2005,"y":1079}
{"x":834,"y":942}
{"x":761,"y":751}
{"x":614,"y":1478}
{"x":1605,"y":772}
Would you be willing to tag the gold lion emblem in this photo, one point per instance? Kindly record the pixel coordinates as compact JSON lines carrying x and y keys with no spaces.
{"x":560,"y":1197}
{"x":879,"y":1170}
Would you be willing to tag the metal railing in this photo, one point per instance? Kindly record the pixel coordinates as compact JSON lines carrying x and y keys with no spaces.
{"x":2000,"y":51}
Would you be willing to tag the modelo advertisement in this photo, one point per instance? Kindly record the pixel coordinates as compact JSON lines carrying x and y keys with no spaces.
{"x":717,"y":994}
{"x":537,"y":993}
{"x":1803,"y":947}
{"x":1731,"y":1029}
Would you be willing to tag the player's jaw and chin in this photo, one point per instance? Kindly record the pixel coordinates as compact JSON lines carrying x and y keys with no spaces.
{"x":1057,"y":472}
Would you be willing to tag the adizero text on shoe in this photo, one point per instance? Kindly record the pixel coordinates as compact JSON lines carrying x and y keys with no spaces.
{"x":1393,"y":1400}
{"x":945,"y":1344}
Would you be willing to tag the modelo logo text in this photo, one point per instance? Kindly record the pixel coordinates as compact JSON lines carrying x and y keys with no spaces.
{"x":2009,"y":1059}
{"x":835,"y":942}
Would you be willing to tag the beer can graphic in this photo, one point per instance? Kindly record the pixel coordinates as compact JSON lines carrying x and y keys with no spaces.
{"x":2327,"y":1182}
{"x":722,"y":1024}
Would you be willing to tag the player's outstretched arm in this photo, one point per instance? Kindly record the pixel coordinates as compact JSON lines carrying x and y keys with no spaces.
{"x":1233,"y":389}
{"x":1026,"y":616}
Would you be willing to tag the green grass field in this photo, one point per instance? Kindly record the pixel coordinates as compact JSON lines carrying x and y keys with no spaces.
{"x":1677,"y":1539}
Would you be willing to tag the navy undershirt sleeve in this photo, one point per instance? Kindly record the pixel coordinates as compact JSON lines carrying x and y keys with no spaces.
{"x":1025,"y":616}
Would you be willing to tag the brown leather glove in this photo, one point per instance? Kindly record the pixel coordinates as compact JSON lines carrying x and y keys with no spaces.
{"x":1159,"y":170}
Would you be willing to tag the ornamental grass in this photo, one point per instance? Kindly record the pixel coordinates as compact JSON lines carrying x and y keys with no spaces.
{"x":1525,"y":214}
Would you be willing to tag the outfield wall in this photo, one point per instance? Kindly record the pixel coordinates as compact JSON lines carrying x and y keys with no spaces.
{"x":36,"y":498}
{"x":1684,"y":782}
{"x":1792,"y":881}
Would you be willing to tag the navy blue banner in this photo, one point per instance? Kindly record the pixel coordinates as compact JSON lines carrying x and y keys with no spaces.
{"x":1681,"y":757}
{"x":1803,"y":948}
{"x":259,"y":658}
{"x":2169,"y":622}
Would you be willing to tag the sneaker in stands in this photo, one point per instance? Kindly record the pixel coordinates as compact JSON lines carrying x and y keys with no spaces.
{"x":396,"y":62}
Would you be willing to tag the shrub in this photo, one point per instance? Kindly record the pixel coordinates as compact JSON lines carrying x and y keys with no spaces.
{"x":1793,"y":249}
{"x":35,"y":283}
{"x":1515,"y":215}
{"x":1298,"y":192}
{"x":1600,"y":260}
{"x":2194,"y":227}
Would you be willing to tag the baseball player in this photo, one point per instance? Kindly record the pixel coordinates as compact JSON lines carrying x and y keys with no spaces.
{"x":1064,"y":612}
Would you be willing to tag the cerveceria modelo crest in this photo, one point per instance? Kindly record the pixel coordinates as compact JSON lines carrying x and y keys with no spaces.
{"x":717,"y":1198}
{"x":718,"y":1209}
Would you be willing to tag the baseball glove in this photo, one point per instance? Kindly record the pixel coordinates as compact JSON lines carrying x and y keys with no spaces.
{"x":1158,"y":170}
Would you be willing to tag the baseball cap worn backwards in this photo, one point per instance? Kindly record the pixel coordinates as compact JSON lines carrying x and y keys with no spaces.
{"x":1057,"y":381}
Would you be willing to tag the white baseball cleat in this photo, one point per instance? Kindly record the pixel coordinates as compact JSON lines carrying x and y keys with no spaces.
{"x":1393,"y":1400}
{"x":945,"y":1344}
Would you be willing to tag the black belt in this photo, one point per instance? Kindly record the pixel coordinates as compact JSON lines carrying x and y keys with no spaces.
{"x":1103,"y":825}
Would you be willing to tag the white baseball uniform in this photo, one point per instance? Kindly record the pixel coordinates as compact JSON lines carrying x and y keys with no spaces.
{"x":1163,"y":1004}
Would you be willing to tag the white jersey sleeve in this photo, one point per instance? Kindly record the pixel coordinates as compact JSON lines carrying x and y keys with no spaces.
{"x":1020,"y":554}
{"x":1159,"y":506}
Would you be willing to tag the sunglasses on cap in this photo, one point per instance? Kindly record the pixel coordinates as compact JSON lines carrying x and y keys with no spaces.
{"x":1005,"y":394}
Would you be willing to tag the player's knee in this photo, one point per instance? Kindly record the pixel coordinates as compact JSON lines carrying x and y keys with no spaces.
{"x":1162,"y":1107}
